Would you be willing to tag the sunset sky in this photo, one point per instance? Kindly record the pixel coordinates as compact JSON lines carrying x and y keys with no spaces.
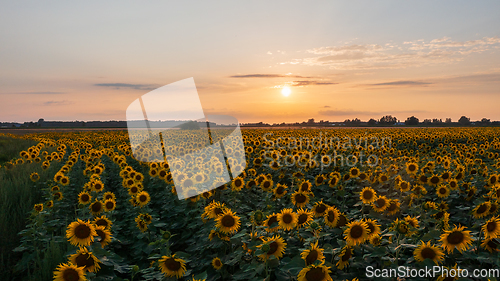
{"x":88,"y":60}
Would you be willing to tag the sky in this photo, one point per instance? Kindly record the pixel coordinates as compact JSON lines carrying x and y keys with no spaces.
{"x":89,"y":60}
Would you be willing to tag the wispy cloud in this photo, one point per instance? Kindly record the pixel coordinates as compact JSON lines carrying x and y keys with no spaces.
{"x":37,"y":93}
{"x":393,"y":56}
{"x":147,"y":87}
{"x":268,"y":76}
{"x":309,"y":83}
{"x":402,"y":83}
{"x":62,"y":102}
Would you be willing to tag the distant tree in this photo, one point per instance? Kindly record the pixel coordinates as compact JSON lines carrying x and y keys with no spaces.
{"x":191,"y":125}
{"x":412,"y":121}
{"x":427,"y":121}
{"x":372,"y":122}
{"x":448,"y":120}
{"x":485,"y":121}
{"x":388,"y":120}
{"x":464,"y":120}
{"x":310,"y":121}
{"x":437,"y":121}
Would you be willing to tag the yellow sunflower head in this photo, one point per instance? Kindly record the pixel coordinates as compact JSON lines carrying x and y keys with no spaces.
{"x":172,"y":266}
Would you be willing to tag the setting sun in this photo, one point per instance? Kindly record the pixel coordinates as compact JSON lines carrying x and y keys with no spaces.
{"x":286,"y":91}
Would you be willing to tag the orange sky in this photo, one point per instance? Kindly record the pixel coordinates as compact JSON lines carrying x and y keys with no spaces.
{"x":73,"y":61}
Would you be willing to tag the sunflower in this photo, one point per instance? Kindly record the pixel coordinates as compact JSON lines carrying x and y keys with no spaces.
{"x":332,"y":216}
{"x":413,"y":222}
{"x":287,"y":219}
{"x":109,"y":195}
{"x":214,"y":209}
{"x":134,"y":189}
{"x":373,"y":227}
{"x":49,"y":204}
{"x":87,"y":260}
{"x":104,"y":235}
{"x":272,"y":246}
{"x":141,"y":224}
{"x":493,"y":208}
{"x":305,"y":186}
{"x":266,"y":184}
{"x":412,"y":168}
{"x":69,"y":272}
{"x":356,"y":233}
{"x":257,"y":217}
{"x":304,"y":217}
{"x":34,"y":177}
{"x":109,"y":205}
{"x":434,"y":180}
{"x":172,"y":266}
{"x":97,"y":186}
{"x":64,"y":180}
{"x":237,"y":184}
{"x":491,"y":228}
{"x":217,"y":263}
{"x":80,"y":233}
{"x":320,"y":179}
{"x":58,"y":196}
{"x":103,"y":221}
{"x":84,"y":198}
{"x":404,"y":186}
{"x":423,"y":179}
{"x":367,"y":195}
{"x":456,"y":238}
{"x":96,"y":208}
{"x":345,"y":255}
{"x":319,"y":208}
{"x":375,"y":240}
{"x":491,"y":245}
{"x":428,"y":251}
{"x":393,"y":207}
{"x":481,"y":210}
{"x":315,"y":273}
{"x":380,"y":204}
{"x":38,"y":207}
{"x":300,"y":199}
{"x":453,"y":184}
{"x":142,"y":198}
{"x":354,"y":172}
{"x":470,"y":193}
{"x":314,"y":253}
{"x":280,"y":190}
{"x":332,"y":182}
{"x":228,"y":222}
{"x":271,"y":220}
{"x":383,"y":178}
{"x":442,"y":191}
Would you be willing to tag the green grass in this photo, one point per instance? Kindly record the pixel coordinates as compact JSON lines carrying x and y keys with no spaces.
{"x":18,"y":194}
{"x":10,"y":147}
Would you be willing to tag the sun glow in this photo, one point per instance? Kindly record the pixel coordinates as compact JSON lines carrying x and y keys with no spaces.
{"x":286,"y":91}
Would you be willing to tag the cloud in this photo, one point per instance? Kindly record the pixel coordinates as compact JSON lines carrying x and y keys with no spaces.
{"x":393,"y":56}
{"x":326,"y":106}
{"x":308,"y":83}
{"x":401,"y":83}
{"x":38,"y":93}
{"x":63,"y":102}
{"x":268,"y":76}
{"x":147,"y":87}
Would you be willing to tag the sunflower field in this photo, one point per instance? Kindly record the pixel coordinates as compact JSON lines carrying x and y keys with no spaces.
{"x":308,"y":205}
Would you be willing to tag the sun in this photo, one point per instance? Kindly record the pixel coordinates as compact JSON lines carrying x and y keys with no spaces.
{"x":286,"y":91}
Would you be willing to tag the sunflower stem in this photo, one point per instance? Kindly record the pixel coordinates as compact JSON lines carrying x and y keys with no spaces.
{"x":479,"y":240}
